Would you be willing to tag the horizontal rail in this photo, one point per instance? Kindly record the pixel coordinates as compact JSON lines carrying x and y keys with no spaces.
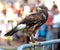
{"x":38,"y":44}
{"x":48,"y":42}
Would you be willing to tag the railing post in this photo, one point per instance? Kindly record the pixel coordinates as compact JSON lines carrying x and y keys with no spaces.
{"x":44,"y":47}
{"x":33,"y":48}
{"x":52,"y":46}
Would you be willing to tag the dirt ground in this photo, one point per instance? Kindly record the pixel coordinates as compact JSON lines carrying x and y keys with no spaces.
{"x":5,"y":44}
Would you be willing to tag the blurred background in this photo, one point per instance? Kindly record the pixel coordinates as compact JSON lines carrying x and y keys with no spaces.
{"x":13,"y":11}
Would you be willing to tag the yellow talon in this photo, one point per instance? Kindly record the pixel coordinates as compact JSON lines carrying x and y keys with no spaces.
{"x":31,"y":44}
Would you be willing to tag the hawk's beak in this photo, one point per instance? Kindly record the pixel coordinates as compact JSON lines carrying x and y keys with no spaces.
{"x":39,"y":9}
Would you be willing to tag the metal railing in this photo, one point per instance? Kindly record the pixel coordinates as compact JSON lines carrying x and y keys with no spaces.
{"x":38,"y":44}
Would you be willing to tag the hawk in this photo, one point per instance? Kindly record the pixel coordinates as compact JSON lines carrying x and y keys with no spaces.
{"x":32,"y":21}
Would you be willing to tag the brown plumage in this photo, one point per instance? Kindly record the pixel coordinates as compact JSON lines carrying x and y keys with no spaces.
{"x":33,"y":21}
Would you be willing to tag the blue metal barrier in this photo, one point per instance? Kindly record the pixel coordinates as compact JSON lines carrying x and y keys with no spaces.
{"x":24,"y":46}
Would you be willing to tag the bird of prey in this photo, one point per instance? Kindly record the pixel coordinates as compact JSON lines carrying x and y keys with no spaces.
{"x":33,"y":20}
